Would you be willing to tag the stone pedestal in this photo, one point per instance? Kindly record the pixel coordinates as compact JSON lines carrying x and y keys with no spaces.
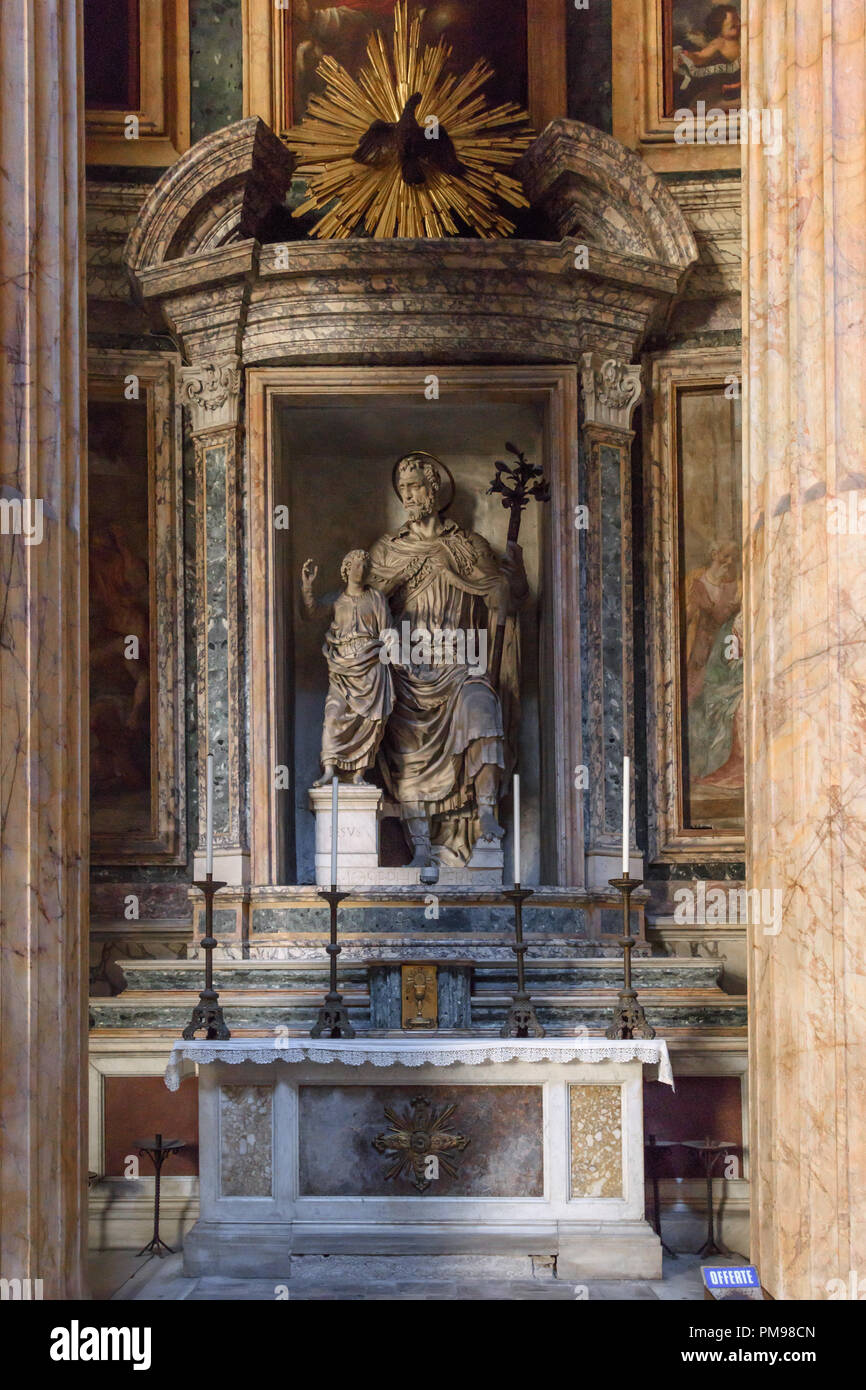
{"x":360,"y":809}
{"x":360,"y":813}
{"x":542,"y":1153}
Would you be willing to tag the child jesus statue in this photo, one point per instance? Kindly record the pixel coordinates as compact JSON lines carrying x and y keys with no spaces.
{"x":360,"y":693}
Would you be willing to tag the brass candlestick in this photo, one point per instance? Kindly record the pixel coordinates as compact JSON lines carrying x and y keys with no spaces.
{"x":333,"y":1018}
{"x":629,"y":1020}
{"x":207,"y":1013}
{"x":522,"y":1021}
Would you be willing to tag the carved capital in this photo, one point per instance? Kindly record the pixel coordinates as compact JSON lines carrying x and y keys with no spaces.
{"x":611,"y":390}
{"x":212,"y":392}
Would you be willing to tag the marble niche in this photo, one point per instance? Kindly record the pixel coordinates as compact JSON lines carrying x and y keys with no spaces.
{"x":281,"y":339}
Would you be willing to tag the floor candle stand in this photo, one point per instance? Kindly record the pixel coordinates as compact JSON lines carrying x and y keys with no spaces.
{"x":652,"y":1148}
{"x":158,"y":1150}
{"x":333,"y":1018}
{"x":710,"y":1151}
{"x":207,"y":1013}
{"x":522,"y":1021}
{"x":629,"y":1020}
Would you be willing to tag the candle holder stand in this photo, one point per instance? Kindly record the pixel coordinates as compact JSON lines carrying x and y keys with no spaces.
{"x":333,"y":1017}
{"x":158,"y":1151}
{"x":710,"y":1151}
{"x":522,"y":1021}
{"x":629,"y":1020}
{"x":208,"y":1013}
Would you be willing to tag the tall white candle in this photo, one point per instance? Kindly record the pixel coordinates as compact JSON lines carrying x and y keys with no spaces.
{"x":516,"y":828}
{"x":335,"y":803}
{"x":626,"y":796}
{"x":209,"y":817}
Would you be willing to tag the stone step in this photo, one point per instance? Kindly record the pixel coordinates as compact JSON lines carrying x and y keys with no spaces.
{"x":569,"y":975}
{"x":560,"y":1011}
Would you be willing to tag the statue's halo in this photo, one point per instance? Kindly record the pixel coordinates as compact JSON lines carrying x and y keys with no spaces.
{"x":429,"y":458}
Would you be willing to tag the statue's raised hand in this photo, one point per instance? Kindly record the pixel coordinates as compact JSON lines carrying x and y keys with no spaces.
{"x":309,"y":571}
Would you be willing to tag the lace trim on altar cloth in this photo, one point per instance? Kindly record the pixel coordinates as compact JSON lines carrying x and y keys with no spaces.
{"x":385,"y":1053}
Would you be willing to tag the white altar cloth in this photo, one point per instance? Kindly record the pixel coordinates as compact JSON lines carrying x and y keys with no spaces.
{"x":417,"y":1052}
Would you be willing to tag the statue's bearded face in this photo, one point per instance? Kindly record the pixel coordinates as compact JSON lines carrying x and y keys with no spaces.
{"x":419,"y":498}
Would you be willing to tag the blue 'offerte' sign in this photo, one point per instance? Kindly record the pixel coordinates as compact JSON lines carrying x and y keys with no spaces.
{"x":720,"y":1277}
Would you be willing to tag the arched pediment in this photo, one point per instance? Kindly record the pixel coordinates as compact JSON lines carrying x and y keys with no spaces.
{"x":592,"y":187}
{"x":587,"y":183}
{"x":202,"y":253}
{"x":220,"y":191}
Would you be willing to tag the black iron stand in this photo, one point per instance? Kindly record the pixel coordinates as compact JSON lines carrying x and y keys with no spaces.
{"x":521,"y":1021}
{"x":333,"y":1019}
{"x":711,"y":1151}
{"x":207,"y":1013}
{"x":629,"y":1020}
{"x":652,"y":1148}
{"x":158,"y":1151}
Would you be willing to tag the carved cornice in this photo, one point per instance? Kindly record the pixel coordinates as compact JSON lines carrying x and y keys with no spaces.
{"x":221,"y":291}
{"x":212,"y":392}
{"x":611,"y":390}
{"x":361,"y":300}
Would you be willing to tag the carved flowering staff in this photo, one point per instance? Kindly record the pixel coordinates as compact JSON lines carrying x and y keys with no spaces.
{"x":517,"y":482}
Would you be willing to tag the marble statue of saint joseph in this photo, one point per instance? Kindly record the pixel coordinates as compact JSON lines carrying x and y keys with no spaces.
{"x":443,"y":752}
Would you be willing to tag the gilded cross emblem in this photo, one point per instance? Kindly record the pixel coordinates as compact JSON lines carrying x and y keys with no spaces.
{"x":417,"y":1135}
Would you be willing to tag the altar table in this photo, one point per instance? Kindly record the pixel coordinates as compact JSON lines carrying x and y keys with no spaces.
{"x":421,"y":1146}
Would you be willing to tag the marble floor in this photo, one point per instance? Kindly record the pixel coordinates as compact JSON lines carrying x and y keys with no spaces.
{"x":121,"y":1275}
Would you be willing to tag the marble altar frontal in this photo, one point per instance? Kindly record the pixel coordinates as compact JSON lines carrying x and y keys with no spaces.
{"x":422,"y":1146}
{"x":494,"y":1135}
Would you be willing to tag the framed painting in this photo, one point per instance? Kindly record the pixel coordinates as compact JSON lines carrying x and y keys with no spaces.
{"x":524,"y":41}
{"x":681,"y":56}
{"x":136,"y":81}
{"x":700,"y":56}
{"x":137,"y":780}
{"x":696,"y":642}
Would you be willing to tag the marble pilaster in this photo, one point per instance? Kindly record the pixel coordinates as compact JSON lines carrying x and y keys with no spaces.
{"x":212,"y":392}
{"x":804,"y":600}
{"x":43,"y":654}
{"x":610,"y":392}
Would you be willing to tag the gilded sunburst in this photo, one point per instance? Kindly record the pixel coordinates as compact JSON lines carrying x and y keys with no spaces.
{"x":377,"y":196}
{"x":416,"y":1136}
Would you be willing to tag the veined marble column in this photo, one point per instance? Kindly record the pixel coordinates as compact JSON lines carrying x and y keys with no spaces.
{"x":43,"y":655}
{"x":212,"y":391}
{"x":805,"y":601}
{"x":610,"y":392}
